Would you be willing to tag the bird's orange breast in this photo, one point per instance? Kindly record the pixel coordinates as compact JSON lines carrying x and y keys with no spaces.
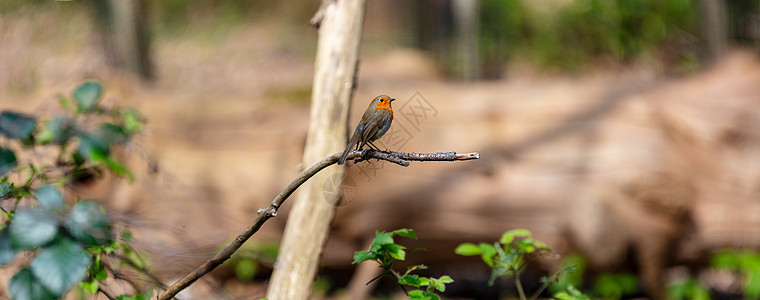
{"x":385,"y":106}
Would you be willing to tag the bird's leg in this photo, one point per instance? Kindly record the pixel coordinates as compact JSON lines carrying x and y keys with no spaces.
{"x":364,"y":153}
{"x":371,"y":145}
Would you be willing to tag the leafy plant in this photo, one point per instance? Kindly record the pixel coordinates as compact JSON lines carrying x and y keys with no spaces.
{"x":745,"y":263}
{"x":689,"y":288}
{"x":70,"y":243}
{"x":386,"y":252}
{"x":511,"y":255}
{"x":614,"y":286}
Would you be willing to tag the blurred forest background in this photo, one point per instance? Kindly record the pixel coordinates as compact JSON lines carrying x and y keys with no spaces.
{"x":623,"y":133}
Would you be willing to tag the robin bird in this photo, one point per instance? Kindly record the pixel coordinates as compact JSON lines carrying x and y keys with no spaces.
{"x":373,"y":125}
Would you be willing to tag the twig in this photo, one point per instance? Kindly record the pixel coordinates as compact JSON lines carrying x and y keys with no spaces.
{"x":265,"y":214}
{"x":519,"y":287}
{"x":397,"y":278}
{"x":105,"y":293}
{"x":142,"y":270}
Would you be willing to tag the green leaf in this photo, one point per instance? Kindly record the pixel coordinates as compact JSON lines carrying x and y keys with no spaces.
{"x":7,"y":160}
{"x":614,"y":286}
{"x":411,"y":280}
{"x":112,"y":134}
{"x":497,"y":272}
{"x":89,"y":224}
{"x":360,"y":256}
{"x":408,"y":233}
{"x":87,"y":96}
{"x":246,"y":269}
{"x":90,"y":286}
{"x":487,"y":253}
{"x":440,"y":284}
{"x":468,"y":249}
{"x":32,"y":228}
{"x":93,"y":149}
{"x":7,"y":253}
{"x":418,"y":295}
{"x":381,"y":238}
{"x":97,"y":270}
{"x":125,"y":297}
{"x":118,"y":168}
{"x":725,"y":260}
{"x":64,"y":102}
{"x":509,"y":236}
{"x":526,"y":245}
{"x":396,"y":251}
{"x":24,"y":286}
{"x":422,"y":295}
{"x":58,"y":131}
{"x":132,"y":120}
{"x":6,"y":188}
{"x":17,"y":126}
{"x":49,"y":197}
{"x":61,"y":265}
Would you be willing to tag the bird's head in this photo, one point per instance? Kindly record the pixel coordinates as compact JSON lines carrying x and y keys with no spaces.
{"x":382,"y":102}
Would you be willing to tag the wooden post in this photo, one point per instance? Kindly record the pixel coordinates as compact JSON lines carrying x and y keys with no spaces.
{"x":334,"y":80}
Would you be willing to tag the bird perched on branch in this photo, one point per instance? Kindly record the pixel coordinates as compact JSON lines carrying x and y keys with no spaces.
{"x":373,"y":125}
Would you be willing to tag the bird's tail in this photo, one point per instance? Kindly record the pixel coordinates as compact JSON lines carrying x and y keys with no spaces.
{"x":351,"y":144}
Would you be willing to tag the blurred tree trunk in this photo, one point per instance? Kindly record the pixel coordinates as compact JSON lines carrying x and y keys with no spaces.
{"x":123,"y":29}
{"x":467,"y":21}
{"x":744,"y":22}
{"x":714,"y":26}
{"x":334,"y":80}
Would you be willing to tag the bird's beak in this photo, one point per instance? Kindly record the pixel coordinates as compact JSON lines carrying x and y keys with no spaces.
{"x":392,"y":100}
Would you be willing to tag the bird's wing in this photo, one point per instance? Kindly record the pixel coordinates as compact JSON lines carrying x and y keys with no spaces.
{"x":374,"y":123}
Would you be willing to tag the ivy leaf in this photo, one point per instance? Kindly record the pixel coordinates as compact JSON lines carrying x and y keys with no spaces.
{"x":24,"y":286}
{"x":7,"y":253}
{"x":87,"y":96}
{"x":32,"y":228}
{"x":89,"y":224}
{"x":360,"y":256}
{"x":61,"y":265}
{"x":49,"y":197}
{"x":7,"y":160}
{"x":17,"y":126}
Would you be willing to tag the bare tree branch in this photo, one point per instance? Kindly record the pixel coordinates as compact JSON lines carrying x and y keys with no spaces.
{"x":265,"y":214}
